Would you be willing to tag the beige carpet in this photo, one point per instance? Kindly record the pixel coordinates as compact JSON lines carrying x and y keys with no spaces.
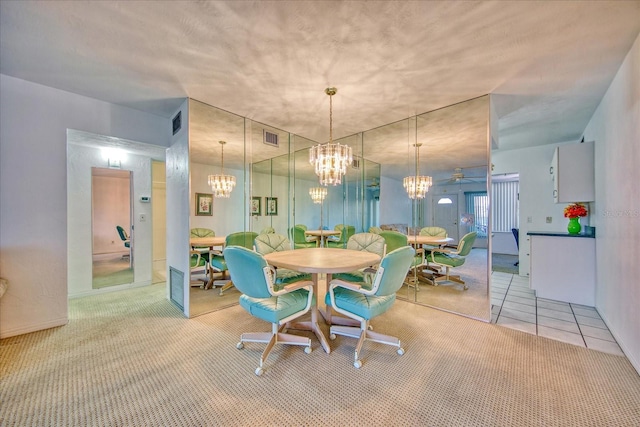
{"x":129,"y":358}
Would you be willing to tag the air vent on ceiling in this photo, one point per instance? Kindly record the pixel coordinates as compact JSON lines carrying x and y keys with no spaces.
{"x":355,"y":163}
{"x":270,"y":138}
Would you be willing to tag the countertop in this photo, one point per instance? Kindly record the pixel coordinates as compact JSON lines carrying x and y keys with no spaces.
{"x":560,"y":234}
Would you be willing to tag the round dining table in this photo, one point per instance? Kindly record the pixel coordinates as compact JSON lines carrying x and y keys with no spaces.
{"x":322,"y":235}
{"x":429,"y":240}
{"x":317,"y":261}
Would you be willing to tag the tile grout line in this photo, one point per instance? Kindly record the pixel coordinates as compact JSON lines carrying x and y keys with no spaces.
{"x":578,"y":325}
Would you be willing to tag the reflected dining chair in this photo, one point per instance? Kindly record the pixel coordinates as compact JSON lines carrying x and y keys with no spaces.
{"x":451,"y":258}
{"x":197,"y":266}
{"x":125,"y":239}
{"x":254,"y":279}
{"x":357,"y":301}
{"x":300,"y":241}
{"x":218,"y":262}
{"x":346,"y":231}
{"x":268,"y":243}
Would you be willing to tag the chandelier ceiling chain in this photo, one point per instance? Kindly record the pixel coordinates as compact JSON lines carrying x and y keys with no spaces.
{"x":222,"y":185}
{"x":330,"y":160}
{"x":417,"y":186}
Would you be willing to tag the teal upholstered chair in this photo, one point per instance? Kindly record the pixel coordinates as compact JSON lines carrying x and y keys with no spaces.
{"x":267,"y":230}
{"x":357,"y":301}
{"x":375,"y":229}
{"x":452,"y":258}
{"x":267,"y":243}
{"x":202,"y":232}
{"x":299,"y":239}
{"x":218,"y":262}
{"x":368,"y":242}
{"x":254,"y":279}
{"x":125,"y":239}
{"x":395,"y":240}
{"x":346,"y":231}
{"x":197,"y":266}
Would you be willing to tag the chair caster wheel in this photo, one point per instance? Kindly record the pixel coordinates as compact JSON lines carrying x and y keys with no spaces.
{"x":357,"y":364}
{"x":370,"y":328}
{"x":307,"y":350}
{"x":332,"y":337}
{"x":259,"y":371}
{"x":465,"y":287}
{"x":401,"y":351}
{"x":240,"y":345}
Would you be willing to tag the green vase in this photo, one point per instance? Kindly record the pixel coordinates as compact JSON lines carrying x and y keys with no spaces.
{"x":574,"y":225}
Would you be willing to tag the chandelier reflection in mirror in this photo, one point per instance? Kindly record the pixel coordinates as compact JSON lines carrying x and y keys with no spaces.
{"x":318,"y":194}
{"x":222,"y":185}
{"x":417,"y":186}
{"x":331,"y":159}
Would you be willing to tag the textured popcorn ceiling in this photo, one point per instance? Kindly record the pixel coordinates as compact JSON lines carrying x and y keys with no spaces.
{"x":548,"y":62}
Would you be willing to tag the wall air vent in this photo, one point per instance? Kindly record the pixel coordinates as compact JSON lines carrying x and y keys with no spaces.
{"x":355,"y":163}
{"x":271,"y":138}
{"x":177,"y":122}
{"x":176,"y":286}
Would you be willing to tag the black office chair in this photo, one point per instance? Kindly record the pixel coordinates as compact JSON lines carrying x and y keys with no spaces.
{"x":516,"y":234}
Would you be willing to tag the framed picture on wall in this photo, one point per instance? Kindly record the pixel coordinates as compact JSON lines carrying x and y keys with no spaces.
{"x":256,"y":208}
{"x":271,"y":206}
{"x":204,"y":204}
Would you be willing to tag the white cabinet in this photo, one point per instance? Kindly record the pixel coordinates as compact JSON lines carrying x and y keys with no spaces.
{"x":573,"y":173}
{"x":563,"y":268}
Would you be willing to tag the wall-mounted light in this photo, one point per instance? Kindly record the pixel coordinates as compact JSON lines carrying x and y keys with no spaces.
{"x":113,"y":156}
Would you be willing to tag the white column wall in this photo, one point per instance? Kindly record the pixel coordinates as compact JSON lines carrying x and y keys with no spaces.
{"x":615,"y":128}
{"x":33,"y":193}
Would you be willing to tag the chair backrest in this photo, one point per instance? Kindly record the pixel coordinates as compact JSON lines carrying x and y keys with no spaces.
{"x":304,"y":227}
{"x":516,"y":235}
{"x":267,"y":230}
{"x":433,"y":231}
{"x":202,"y":232}
{"x":297,"y":234}
{"x":122,"y":233}
{"x":246,"y":269}
{"x":241,"y":238}
{"x":393,"y":270}
{"x":346,"y":231}
{"x":394,"y":240}
{"x":374,"y":229}
{"x":267,"y":243}
{"x":367,"y":242}
{"x":466,"y":243}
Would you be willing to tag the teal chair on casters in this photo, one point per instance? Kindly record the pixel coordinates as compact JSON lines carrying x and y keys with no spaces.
{"x":359,"y":302}
{"x":452,"y":258}
{"x":346,"y":231}
{"x":253,"y":277}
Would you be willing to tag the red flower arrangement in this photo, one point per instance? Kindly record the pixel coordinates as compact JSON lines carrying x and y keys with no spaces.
{"x":575,"y":210}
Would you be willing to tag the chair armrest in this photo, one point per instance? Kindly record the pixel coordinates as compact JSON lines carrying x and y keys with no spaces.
{"x":303,"y":284}
{"x":345,"y":284}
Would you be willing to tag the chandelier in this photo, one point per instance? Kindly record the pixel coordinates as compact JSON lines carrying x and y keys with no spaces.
{"x":331,"y":159}
{"x":222,"y":185}
{"x":417,"y":186}
{"x":318,"y":194}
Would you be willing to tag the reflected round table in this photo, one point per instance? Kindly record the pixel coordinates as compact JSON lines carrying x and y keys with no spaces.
{"x":322,"y":234}
{"x":316,"y":261}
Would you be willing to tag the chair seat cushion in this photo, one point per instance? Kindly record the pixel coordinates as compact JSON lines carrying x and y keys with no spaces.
{"x":274,"y":309}
{"x":360,"y":277}
{"x":218,"y":263}
{"x":193,"y":260}
{"x":365,"y":306}
{"x":286,"y":276}
{"x":297,"y":245}
{"x":451,"y":261}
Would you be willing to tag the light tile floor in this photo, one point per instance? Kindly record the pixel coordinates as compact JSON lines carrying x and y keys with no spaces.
{"x":514,"y":305}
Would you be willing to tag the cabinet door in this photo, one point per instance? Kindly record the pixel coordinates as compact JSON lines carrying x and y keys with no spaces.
{"x":575,"y":173}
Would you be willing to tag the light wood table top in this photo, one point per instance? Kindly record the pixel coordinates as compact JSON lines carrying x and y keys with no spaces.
{"x":322,"y":260}
{"x":429,"y":240}
{"x":207,"y":241}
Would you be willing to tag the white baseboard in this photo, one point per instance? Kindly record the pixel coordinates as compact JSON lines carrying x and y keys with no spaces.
{"x":34,"y":328}
{"x":627,"y":352}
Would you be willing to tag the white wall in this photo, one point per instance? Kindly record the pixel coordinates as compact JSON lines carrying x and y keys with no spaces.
{"x":536,"y":193}
{"x":33,"y":161}
{"x":615,"y":128}
{"x":395,"y":206}
{"x":79,"y":261}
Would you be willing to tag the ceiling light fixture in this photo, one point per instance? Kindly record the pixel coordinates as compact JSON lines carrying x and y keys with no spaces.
{"x":418,"y":185}
{"x":318,"y":194}
{"x":331,"y":159}
{"x":222,"y":185}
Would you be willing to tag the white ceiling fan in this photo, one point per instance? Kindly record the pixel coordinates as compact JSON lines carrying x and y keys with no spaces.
{"x":459,"y":177}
